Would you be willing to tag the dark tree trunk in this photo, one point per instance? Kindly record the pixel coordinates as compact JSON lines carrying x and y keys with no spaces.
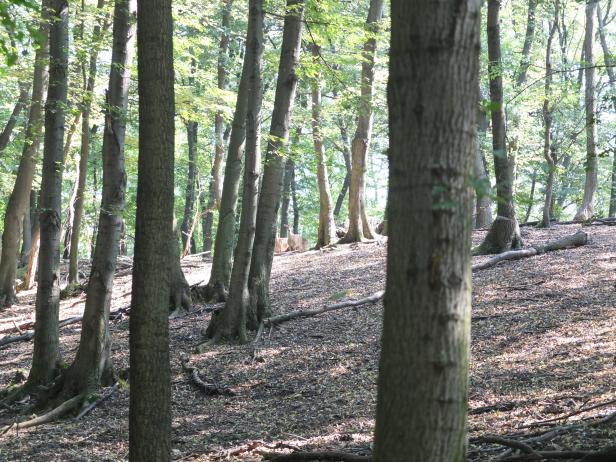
{"x":215,"y":186}
{"x":46,"y":332}
{"x":423,"y":371}
{"x":273,"y":174}
{"x":22,"y":101}
{"x":18,"y":201}
{"x":230,"y":322}
{"x":520,"y":75}
{"x":483,"y":201}
{"x":346,"y":153}
{"x":358,"y":222}
{"x":504,"y":163}
{"x":92,"y":365}
{"x":189,"y":196}
{"x":590,"y":185}
{"x":612,"y":212}
{"x":150,"y":398}
{"x":26,"y":233}
{"x":286,"y":198}
{"x":295,"y":204}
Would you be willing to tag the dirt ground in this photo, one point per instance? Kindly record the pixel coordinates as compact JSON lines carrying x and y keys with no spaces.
{"x":543,"y":348}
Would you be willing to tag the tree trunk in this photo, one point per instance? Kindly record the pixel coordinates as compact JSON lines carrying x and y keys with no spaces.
{"x":189,"y":196}
{"x":612,"y":212}
{"x":215,"y":189}
{"x":46,"y":332}
{"x":346,"y":153}
{"x":590,"y":185}
{"x":504,"y":162}
{"x":358,"y":224}
{"x":483,"y":205}
{"x":218,"y":285}
{"x":22,"y":101}
{"x":286,"y":198}
{"x":273,"y":173}
{"x":520,"y":76}
{"x":150,"y":399}
{"x":82,"y":175}
{"x":33,"y":257}
{"x":295,"y":204}
{"x":92,"y":365}
{"x":531,"y":196}
{"x":18,"y":201}
{"x":230,"y":323}
{"x":423,"y":370}
{"x":327,"y":227}
{"x":26,"y":232}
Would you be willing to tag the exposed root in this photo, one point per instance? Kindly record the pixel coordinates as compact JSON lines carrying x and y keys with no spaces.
{"x":56,"y":413}
{"x":95,"y":403}
{"x":209,"y":389}
{"x":310,"y":456}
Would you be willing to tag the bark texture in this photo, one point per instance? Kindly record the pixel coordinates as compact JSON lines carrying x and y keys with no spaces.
{"x":46,"y":331}
{"x":150,"y":398}
{"x":423,"y":371}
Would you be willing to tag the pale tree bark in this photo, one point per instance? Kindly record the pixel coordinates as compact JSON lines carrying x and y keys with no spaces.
{"x":423,"y":370}
{"x":46,"y":331}
{"x":326,"y":233}
{"x":587,"y":206}
{"x":504,"y":232}
{"x":78,"y":198}
{"x":230,"y":322}
{"x":20,"y":196}
{"x":22,"y":101}
{"x":359,"y":228}
{"x":92,"y":365}
{"x":273,"y":173}
{"x":150,"y":398}
{"x":215,"y":186}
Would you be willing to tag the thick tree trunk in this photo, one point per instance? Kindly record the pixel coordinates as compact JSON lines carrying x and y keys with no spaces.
{"x":346,"y":153}
{"x":18,"y":201}
{"x":218,"y":285}
{"x":230,"y":322}
{"x":326,"y":233}
{"x":150,"y":399}
{"x":22,"y":101}
{"x":215,"y":186}
{"x":92,"y":365}
{"x":358,"y":224}
{"x":590,"y":184}
{"x":504,"y":163}
{"x":188,"y":241}
{"x":520,"y":75}
{"x":46,"y":332}
{"x":423,"y":370}
{"x":273,"y":173}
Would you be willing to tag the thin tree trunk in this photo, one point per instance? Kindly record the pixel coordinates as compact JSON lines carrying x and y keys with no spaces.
{"x":286,"y":198}
{"x":295,"y":203}
{"x":33,"y":257}
{"x":326,"y":233}
{"x":531,"y":196}
{"x":18,"y":201}
{"x":483,"y":204}
{"x":273,"y":174}
{"x":423,"y":370}
{"x":46,"y":333}
{"x":230,"y":323}
{"x":346,"y":153}
{"x":215,"y":186}
{"x":26,"y":233}
{"x":607,"y":55}
{"x":150,"y":398}
{"x":358,"y":224}
{"x":22,"y":101}
{"x":590,"y":184}
{"x":520,"y":76}
{"x":92,"y":365}
{"x":612,"y":212}
{"x":506,"y":229}
{"x":189,"y":197}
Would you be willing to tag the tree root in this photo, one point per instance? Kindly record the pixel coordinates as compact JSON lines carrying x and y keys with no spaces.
{"x":87,"y":409}
{"x":56,"y":413}
{"x":209,"y":389}
{"x":314,"y":456}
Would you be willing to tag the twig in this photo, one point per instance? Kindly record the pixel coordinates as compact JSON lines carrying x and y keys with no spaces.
{"x":94,"y":404}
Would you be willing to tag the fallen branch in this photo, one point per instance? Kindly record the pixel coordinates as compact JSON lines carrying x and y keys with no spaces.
{"x":309,"y":456}
{"x":571,"y":414}
{"x":208,"y":389}
{"x":574,"y":240}
{"x":375,"y":297}
{"x":513,"y":444}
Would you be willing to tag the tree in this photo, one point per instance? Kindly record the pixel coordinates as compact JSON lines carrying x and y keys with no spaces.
{"x":587,"y":206}
{"x":273,"y":173}
{"x":358,"y":222}
{"x":423,"y":372}
{"x":46,"y":332}
{"x":20,"y":196}
{"x":150,"y":398}
{"x":521,"y":71}
{"x":22,"y":101}
{"x":483,"y":206}
{"x":504,"y":232}
{"x":230,"y":322}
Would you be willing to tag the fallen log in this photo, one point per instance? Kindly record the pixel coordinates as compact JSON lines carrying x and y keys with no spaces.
{"x":574,"y":240}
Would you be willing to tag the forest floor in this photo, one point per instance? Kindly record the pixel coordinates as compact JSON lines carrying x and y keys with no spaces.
{"x":543,"y":347}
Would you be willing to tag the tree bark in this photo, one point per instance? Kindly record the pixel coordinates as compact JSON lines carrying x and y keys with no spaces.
{"x":22,"y":101}
{"x":188,"y":241}
{"x":295,"y":203}
{"x":18,"y":201}
{"x":273,"y":173}
{"x":230,"y":323}
{"x":358,"y":224}
{"x":531,"y":196}
{"x":326,"y":233}
{"x":46,"y":333}
{"x":504,"y":162}
{"x":286,"y":198}
{"x":590,"y":184}
{"x":92,"y":365}
{"x":215,"y":186}
{"x":150,"y":399}
{"x":529,"y":37}
{"x":423,"y":370}
{"x":346,"y":154}
{"x":483,"y":206}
